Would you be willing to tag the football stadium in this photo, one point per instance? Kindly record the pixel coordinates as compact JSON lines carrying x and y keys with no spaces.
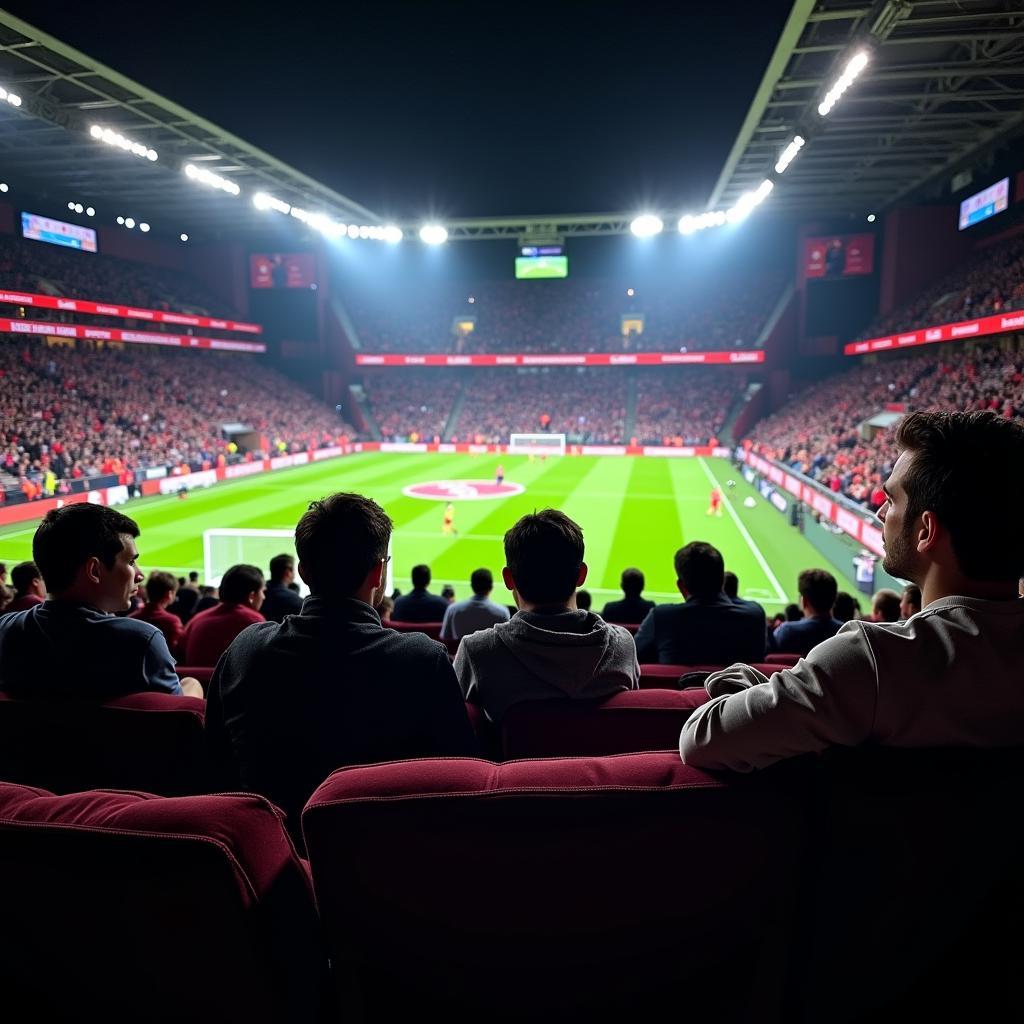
{"x":414,"y":603}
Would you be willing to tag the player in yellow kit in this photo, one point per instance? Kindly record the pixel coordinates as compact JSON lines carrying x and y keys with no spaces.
{"x":448,"y":524}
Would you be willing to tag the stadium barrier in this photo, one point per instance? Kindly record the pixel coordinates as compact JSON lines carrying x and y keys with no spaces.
{"x":561,"y":359}
{"x":1002,"y":323}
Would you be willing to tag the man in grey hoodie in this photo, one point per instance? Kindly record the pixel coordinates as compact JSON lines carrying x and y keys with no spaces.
{"x":548,"y":650}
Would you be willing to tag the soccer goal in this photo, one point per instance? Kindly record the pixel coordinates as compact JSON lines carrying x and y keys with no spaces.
{"x":224,"y":548}
{"x":536,"y":444}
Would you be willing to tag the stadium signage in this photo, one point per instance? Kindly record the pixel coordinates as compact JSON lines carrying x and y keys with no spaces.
{"x":562,"y":359}
{"x":126,"y":312}
{"x":998,"y":324}
{"x":133,"y":337}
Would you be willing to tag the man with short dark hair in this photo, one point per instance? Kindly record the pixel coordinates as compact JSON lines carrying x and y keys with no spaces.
{"x":478,"y":612}
{"x":708,"y":628}
{"x":947,"y":677}
{"x":291,"y":701}
{"x":910,"y":601}
{"x":280,"y":599}
{"x":29,"y":588}
{"x":76,"y":644}
{"x":209,"y":633}
{"x":549,"y":649}
{"x":885,"y":606}
{"x":632,"y":609}
{"x":419,"y":605}
{"x":160,"y":590}
{"x":731,"y":585}
{"x":818,"y":590}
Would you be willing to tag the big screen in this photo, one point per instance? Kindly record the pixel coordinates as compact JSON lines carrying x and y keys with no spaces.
{"x":57,"y":232}
{"x":984,"y":204}
{"x":839,"y":255}
{"x":282,"y":270}
{"x":530,"y":268}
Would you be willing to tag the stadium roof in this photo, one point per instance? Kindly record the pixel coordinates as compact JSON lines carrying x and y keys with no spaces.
{"x":945,"y":82}
{"x":64,"y":92}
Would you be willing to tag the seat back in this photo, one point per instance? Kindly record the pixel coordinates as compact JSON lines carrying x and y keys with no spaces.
{"x":432,"y":629}
{"x":146,"y":741}
{"x":786,"y":660}
{"x":203,"y":673}
{"x":655,"y":676}
{"x":626,"y":722}
{"x":146,"y":908}
{"x":582,"y":888}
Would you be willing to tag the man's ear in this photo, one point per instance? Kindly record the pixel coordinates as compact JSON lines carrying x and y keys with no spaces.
{"x":506,"y":575}
{"x":92,"y":569}
{"x":682,"y":589}
{"x":375,"y":576}
{"x":929,"y":532}
{"x":302,"y":575}
{"x":582,"y":578}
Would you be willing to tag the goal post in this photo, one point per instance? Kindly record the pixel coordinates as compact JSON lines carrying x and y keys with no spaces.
{"x":536,"y":444}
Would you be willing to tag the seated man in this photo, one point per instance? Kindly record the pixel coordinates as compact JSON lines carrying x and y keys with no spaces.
{"x":818,"y":590}
{"x":885,"y":606}
{"x":160,"y":590}
{"x":75,"y":644}
{"x":290,"y":702}
{"x":209,"y":633}
{"x":477,"y":612}
{"x":948,"y":677}
{"x":419,"y":605}
{"x":709,"y":628}
{"x":632,"y":609}
{"x":910,"y":601}
{"x":28,"y":584}
{"x":548,"y":650}
{"x":280,"y":599}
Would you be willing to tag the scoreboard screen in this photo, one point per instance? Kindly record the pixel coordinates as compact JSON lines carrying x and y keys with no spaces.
{"x":984,"y":204}
{"x":57,"y":232}
{"x":530,"y":268}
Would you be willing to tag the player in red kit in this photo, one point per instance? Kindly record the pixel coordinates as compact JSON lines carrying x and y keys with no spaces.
{"x":715,"y":508}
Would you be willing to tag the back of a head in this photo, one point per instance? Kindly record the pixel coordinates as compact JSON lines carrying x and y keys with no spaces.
{"x":910,"y":602}
{"x":701,"y":569}
{"x":193,"y":576}
{"x":632,"y":582}
{"x":845,"y":607}
{"x":159,"y":585}
{"x":544,"y":552}
{"x":481,"y":582}
{"x":420,"y":576}
{"x":239,"y":582}
{"x":886,"y":606}
{"x":583,"y":600}
{"x":819,"y":589}
{"x":22,"y":576}
{"x":339,"y":540}
{"x":280,"y":566}
{"x":956,"y":458}
{"x":731,"y":585}
{"x":68,"y":537}
{"x":793,"y":613}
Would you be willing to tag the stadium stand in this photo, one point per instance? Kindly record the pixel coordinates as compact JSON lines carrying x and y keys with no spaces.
{"x":687,"y":409}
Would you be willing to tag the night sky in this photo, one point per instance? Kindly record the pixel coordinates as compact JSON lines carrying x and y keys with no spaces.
{"x":456,"y":109}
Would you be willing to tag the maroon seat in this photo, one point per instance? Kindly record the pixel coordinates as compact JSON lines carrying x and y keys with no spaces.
{"x":146,"y":741}
{"x":653,"y":677}
{"x":137,"y":907}
{"x":562,"y":889}
{"x":204,"y":673}
{"x":627,"y":722}
{"x":787,"y":660}
{"x":432,"y":629}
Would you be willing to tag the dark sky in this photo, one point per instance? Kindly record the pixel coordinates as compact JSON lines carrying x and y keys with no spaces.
{"x":459,"y":109}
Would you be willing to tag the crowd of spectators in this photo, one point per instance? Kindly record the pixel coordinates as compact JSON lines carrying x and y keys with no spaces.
{"x":412,"y":405}
{"x":688,"y":408}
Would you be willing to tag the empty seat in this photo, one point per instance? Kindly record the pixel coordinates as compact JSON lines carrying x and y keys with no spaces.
{"x":582,"y":888}
{"x":626,"y":722}
{"x":146,"y":741}
{"x":125,"y":906}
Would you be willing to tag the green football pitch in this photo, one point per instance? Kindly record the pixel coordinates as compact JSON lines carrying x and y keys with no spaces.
{"x":634,"y":512}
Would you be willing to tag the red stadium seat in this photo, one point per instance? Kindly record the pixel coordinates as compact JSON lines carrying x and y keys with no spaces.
{"x":203,"y":673}
{"x":562,"y":889}
{"x":146,"y":741}
{"x":138,"y":907}
{"x":627,"y":722}
{"x":432,"y":629}
{"x":786,"y":660}
{"x":653,"y":677}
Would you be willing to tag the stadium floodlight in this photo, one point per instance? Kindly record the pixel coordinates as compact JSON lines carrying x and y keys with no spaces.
{"x":90,"y":211}
{"x":871,"y":218}
{"x":433,"y":234}
{"x":120,"y":219}
{"x":13,"y":98}
{"x":748,"y":201}
{"x":646,"y":225}
{"x":789,"y":153}
{"x":112,"y":138}
{"x":129,"y":222}
{"x":392,"y":234}
{"x":79,"y":208}
{"x":4,"y":186}
{"x":201,"y":174}
{"x":143,"y":226}
{"x":265,"y":201}
{"x":854,"y":66}
{"x":183,"y":236}
{"x":71,"y":205}
{"x":689,"y":223}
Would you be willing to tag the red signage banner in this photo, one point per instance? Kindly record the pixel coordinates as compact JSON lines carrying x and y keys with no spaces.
{"x":282,"y":270}
{"x":1002,"y":323}
{"x":130,"y":337}
{"x":839,"y":255}
{"x":155,"y":316}
{"x":564,"y":359}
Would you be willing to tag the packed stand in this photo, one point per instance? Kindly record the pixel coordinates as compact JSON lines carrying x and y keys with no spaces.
{"x":684,"y":408}
{"x":412,"y":405}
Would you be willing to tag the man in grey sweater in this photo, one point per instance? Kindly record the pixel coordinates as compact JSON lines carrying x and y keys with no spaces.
{"x":549,"y":649}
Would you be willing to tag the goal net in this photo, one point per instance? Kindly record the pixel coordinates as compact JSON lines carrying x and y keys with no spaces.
{"x":536,"y":444}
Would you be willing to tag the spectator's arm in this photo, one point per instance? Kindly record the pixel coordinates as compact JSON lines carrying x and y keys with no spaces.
{"x":445,"y":719}
{"x":158,"y":667}
{"x":447,"y":630}
{"x":646,"y":646}
{"x":463,"y":668}
{"x":752,"y":722}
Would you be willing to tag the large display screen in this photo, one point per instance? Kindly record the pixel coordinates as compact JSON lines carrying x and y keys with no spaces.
{"x":282,"y":270}
{"x":529,"y":268}
{"x":57,"y":232}
{"x":839,"y":255}
{"x":984,"y":204}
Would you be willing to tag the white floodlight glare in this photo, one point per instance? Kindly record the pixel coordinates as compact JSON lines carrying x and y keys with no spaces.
{"x":871,"y":218}
{"x":183,"y":236}
{"x":143,"y":226}
{"x":213,"y":180}
{"x":71,"y":205}
{"x":392,"y":234}
{"x":4,"y":186}
{"x":112,"y":138}
{"x":90,"y":211}
{"x":748,"y":201}
{"x":12,"y":98}
{"x":129,"y":222}
{"x":265,"y":201}
{"x":120,"y":220}
{"x":789,"y":153}
{"x":854,"y":66}
{"x":689,"y":223}
{"x":433,"y":234}
{"x":646,"y":225}
{"x":79,"y":208}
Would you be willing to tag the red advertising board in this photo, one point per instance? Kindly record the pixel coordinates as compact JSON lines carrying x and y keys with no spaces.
{"x":156,"y":316}
{"x":41,"y":327}
{"x":1001,"y":323}
{"x":282,"y":270}
{"x":565,"y":359}
{"x":839,"y":255}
